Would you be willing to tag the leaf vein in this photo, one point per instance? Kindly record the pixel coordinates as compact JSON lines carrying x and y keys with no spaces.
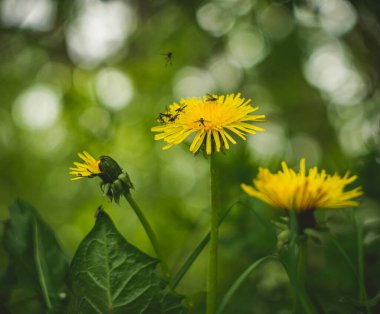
{"x":121,"y":288}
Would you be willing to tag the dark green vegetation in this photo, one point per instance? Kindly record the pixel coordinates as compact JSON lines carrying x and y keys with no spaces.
{"x":313,"y":69}
{"x":107,"y":274}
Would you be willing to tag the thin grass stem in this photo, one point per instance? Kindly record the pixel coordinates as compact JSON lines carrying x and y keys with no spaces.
{"x":360,"y":255}
{"x":238,"y":282}
{"x":193,"y":256}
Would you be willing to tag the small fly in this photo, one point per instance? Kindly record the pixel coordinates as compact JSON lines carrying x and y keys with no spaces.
{"x":173,"y":118}
{"x":201,"y":121}
{"x":179,"y":110}
{"x":211,"y":98}
{"x":168,"y":57}
{"x":162,"y":116}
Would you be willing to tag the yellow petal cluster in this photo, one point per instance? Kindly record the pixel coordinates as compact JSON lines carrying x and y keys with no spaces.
{"x":213,"y":120}
{"x":88,"y":169}
{"x":289,"y":190}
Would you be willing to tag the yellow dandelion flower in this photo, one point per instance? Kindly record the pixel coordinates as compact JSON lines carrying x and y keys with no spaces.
{"x":212,"y":118}
{"x":289,"y":190}
{"x":88,"y":169}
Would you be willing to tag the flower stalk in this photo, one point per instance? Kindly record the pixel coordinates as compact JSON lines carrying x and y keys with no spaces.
{"x":150,"y":233}
{"x":296,"y":266}
{"x":214,"y":227}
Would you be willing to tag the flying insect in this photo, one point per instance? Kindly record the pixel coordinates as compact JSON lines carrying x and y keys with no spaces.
{"x":168,"y":57}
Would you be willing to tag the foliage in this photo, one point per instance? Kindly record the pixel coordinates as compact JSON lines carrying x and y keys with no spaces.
{"x":107,"y":274}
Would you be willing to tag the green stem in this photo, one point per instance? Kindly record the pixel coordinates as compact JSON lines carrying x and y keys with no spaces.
{"x":295,"y":267}
{"x":361,"y":281}
{"x":193,"y":256}
{"x":213,"y":257}
{"x":149,"y":231}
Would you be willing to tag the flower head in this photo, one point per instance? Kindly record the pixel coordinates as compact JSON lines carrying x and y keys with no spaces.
{"x":289,"y":190}
{"x":115,"y":181}
{"x":88,"y":169}
{"x":212,"y":118}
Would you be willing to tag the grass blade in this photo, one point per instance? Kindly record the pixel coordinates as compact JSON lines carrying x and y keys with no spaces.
{"x":193,"y":256}
{"x":235,"y":286}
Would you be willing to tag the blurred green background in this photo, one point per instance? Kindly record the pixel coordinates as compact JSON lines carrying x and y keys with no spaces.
{"x":90,"y":75}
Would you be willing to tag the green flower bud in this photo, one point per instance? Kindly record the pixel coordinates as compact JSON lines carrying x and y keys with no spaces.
{"x":115,"y":181}
{"x":110,"y":169}
{"x":283,"y":239}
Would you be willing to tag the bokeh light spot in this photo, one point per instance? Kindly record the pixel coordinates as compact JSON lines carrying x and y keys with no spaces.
{"x":304,"y":146}
{"x":276,"y":22}
{"x":270,"y":144}
{"x":114,"y":88}
{"x":35,"y":14}
{"x":237,"y":7}
{"x":247,"y":48}
{"x":329,"y":70}
{"x":99,"y":31}
{"x":37,"y":108}
{"x":214,"y":19}
{"x":192,"y":81}
{"x":226,"y":75}
{"x":336,"y":17}
{"x":95,"y":120}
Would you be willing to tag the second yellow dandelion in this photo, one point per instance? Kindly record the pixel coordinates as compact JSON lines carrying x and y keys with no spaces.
{"x":300,"y":192}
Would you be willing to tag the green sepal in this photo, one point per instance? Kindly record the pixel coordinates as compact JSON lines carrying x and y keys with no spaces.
{"x":106,"y":189}
{"x":117,"y":187}
{"x":110,"y":169}
{"x":115,"y":181}
{"x":124,"y":177}
{"x":116,"y":192}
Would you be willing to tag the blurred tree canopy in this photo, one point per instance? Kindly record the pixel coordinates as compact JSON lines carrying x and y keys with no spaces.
{"x":92,"y":75}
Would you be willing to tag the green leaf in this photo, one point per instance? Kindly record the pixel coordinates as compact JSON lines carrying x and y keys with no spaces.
{"x":109,"y":275}
{"x":38,"y":266}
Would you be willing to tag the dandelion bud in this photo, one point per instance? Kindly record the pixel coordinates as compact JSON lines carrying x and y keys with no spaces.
{"x":110,"y":169}
{"x":115,"y":181}
{"x":282,"y":239}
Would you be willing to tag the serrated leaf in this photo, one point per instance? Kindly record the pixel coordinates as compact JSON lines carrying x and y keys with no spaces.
{"x":37,"y":263}
{"x":110,"y":275}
